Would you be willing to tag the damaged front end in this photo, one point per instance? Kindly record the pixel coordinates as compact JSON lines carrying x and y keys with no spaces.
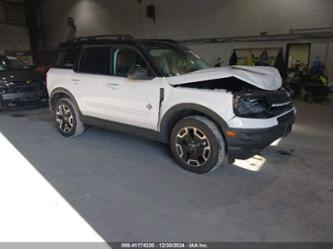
{"x":249,"y":101}
{"x":261,"y":104}
{"x":262,"y":108}
{"x":22,"y":93}
{"x":270,"y":113}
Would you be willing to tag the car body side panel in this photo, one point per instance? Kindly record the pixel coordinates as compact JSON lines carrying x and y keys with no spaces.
{"x":220,"y":102}
{"x":62,"y":78}
{"x":132,"y":102}
{"x":88,"y":89}
{"x":85,"y":88}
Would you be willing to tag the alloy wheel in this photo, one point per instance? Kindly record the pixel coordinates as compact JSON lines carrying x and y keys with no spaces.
{"x":193,"y":146}
{"x":64,"y":118}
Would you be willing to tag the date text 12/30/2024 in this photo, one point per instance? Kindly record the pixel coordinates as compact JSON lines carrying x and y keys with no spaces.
{"x":164,"y":245}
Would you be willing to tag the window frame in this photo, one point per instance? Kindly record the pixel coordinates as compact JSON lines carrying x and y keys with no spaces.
{"x":177,"y":46}
{"x":76,"y":67}
{"x":67,"y":49}
{"x":114,"y":47}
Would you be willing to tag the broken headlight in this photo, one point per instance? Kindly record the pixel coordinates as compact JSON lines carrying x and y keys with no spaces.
{"x":249,"y":106}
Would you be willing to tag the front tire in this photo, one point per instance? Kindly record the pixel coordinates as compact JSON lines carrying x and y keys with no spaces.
{"x":197,"y":144}
{"x":68,"y":119}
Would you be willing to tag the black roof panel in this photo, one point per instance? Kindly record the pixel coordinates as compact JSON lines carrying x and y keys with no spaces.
{"x":109,"y":39}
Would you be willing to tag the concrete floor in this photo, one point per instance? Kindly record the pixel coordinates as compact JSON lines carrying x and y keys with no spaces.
{"x":130,"y":189}
{"x":32,"y":210}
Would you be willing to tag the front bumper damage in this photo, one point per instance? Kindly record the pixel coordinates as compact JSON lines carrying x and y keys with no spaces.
{"x":249,"y":142}
{"x":34,"y":95}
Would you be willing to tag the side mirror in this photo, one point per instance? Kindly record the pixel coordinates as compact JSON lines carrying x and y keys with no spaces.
{"x":138,"y":73}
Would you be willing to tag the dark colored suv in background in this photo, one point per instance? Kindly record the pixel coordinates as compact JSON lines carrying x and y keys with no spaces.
{"x":20,"y":84}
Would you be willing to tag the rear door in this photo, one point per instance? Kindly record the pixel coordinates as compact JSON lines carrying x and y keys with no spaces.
{"x":88,"y":80}
{"x":131,"y":101}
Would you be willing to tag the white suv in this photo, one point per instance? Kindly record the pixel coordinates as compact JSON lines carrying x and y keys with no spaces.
{"x":162,"y":90}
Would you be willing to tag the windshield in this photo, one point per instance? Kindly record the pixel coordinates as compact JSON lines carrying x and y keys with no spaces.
{"x":11,"y":63}
{"x":173,"y":61}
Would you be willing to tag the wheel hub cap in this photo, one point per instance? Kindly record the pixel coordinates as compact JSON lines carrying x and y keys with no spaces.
{"x":64,"y":118}
{"x":193,"y":146}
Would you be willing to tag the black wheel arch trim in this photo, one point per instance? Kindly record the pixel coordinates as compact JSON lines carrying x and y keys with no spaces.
{"x":61,"y":90}
{"x":174,"y":113}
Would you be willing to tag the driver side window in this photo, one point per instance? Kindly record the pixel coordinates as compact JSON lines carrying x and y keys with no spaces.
{"x":126,"y":59}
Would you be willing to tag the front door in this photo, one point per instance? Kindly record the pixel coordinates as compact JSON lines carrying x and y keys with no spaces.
{"x":131,"y":101}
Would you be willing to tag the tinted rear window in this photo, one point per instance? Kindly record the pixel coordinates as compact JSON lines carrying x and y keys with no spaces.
{"x":67,"y":58}
{"x":95,"y":60}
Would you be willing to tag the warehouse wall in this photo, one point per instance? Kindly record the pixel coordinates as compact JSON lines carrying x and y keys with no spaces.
{"x":319,"y":48}
{"x":13,"y":32}
{"x":188,"y":19}
{"x":13,"y":38}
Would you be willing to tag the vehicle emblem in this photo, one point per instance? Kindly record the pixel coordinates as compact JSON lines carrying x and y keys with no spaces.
{"x":149,"y":106}
{"x":28,"y":82}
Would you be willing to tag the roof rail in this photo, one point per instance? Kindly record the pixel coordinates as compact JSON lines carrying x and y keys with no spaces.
{"x":160,"y":40}
{"x":109,"y":36}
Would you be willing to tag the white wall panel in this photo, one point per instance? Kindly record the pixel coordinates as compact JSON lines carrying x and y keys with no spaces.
{"x":187,"y":19}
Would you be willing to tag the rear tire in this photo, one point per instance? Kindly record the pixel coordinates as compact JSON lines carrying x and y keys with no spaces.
{"x":68,"y":118}
{"x":197,"y":144}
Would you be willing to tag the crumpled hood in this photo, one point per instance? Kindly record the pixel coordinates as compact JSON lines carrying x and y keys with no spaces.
{"x":266,"y":78}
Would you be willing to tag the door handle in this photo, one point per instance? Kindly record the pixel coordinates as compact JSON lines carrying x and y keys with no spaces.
{"x":75,"y":81}
{"x":113,"y":85}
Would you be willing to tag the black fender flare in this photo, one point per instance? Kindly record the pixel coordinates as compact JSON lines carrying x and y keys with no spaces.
{"x":60,"y":90}
{"x":175,"y":113}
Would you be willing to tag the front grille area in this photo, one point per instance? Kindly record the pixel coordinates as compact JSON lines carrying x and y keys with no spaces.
{"x":263,"y":104}
{"x":23,"y":86}
{"x":28,"y":88}
{"x":21,"y":92}
{"x":279,"y":102}
{"x":281,"y":109}
{"x":285,"y":117}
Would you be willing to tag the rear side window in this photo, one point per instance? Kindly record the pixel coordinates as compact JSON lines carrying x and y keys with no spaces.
{"x":66,"y":58}
{"x":95,"y":60}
